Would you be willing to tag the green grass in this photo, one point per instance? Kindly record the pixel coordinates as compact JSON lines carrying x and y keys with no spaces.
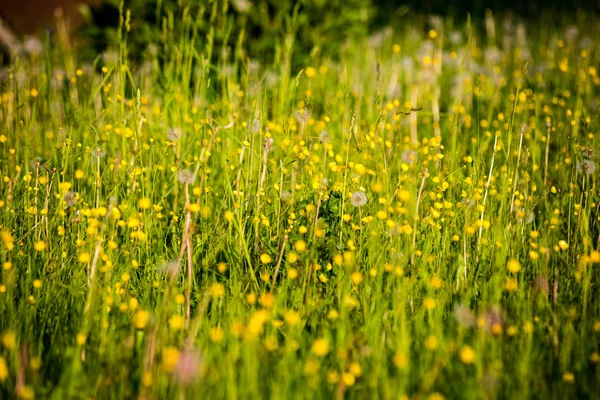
{"x":192,"y":226}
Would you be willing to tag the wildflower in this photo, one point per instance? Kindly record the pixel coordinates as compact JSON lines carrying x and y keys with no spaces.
{"x":3,"y":369}
{"x":36,"y":162}
{"x":144,"y":203}
{"x":400,"y":360}
{"x":320,"y":347}
{"x":188,"y":366}
{"x":467,"y":354}
{"x":9,"y":340}
{"x":39,"y":245}
{"x":70,"y":198}
{"x":291,"y":317}
{"x":186,"y":176}
{"x":493,"y":317}
{"x":80,"y":339}
{"x":242,"y":6}
{"x":300,"y":246}
{"x":431,"y":342}
{"x":217,"y":290}
{"x":356,"y":278}
{"x":409,"y":156}
{"x":511,"y":285}
{"x":174,"y":134}
{"x":256,"y":126}
{"x":540,"y":284}
{"x":464,"y":316}
{"x":302,"y":115}
{"x":170,"y":358}
{"x":176,"y":322}
{"x":569,"y":377}
{"x":268,"y":145}
{"x":429,"y":303}
{"x":586,"y":167}
{"x":358,"y":199}
{"x":141,"y":319}
{"x":285,"y":196}
{"x":97,"y":152}
{"x":33,"y":46}
{"x":348,"y":378}
{"x":84,"y":257}
{"x":513,"y":266}
{"x":360,"y":169}
{"x":404,"y":195}
{"x":265,"y":258}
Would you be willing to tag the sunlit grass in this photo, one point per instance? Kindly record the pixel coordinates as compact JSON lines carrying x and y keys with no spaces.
{"x":415,"y":216}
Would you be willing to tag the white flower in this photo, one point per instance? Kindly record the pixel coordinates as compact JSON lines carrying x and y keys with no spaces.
{"x":186,"y":176}
{"x":358,"y":199}
{"x":174,"y":134}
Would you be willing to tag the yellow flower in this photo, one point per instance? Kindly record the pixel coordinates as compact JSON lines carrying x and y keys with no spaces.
{"x":265,"y":258}
{"x":320,"y":347}
{"x":467,"y":354}
{"x":569,"y":377}
{"x":40,"y":246}
{"x":228,"y":216}
{"x":360,"y":169}
{"x":193,"y":207}
{"x":9,"y":340}
{"x":141,"y":319}
{"x":170,"y":357}
{"x":404,"y":195}
{"x":217,"y":290}
{"x":79,"y":174}
{"x":348,"y":378}
{"x":3,"y":370}
{"x":513,"y":266}
{"x":511,"y":285}
{"x":310,"y":72}
{"x":400,"y":360}
{"x":431,"y":342}
{"x":300,"y":246}
{"x":291,"y":317}
{"x":144,"y":203}
{"x":356,"y":278}
{"x":84,"y":257}
{"x":80,"y":339}
{"x":176,"y":322}
{"x":429,"y":303}
{"x":216,"y":334}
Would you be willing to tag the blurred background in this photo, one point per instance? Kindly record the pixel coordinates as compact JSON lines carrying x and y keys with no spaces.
{"x":93,"y":23}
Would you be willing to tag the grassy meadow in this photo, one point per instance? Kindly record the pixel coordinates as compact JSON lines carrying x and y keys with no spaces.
{"x":412,"y":216}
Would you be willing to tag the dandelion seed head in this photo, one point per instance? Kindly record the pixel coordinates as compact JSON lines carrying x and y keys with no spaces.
{"x":409,"y":156}
{"x":97,"y":152}
{"x":70,"y":198}
{"x":36,"y":162}
{"x":174,"y":134}
{"x":358,"y":199}
{"x":464,"y":316}
{"x":586,"y":167}
{"x":33,"y":46}
{"x":188,"y":366}
{"x":285,"y":196}
{"x":186,"y":176}
{"x":170,"y":268}
{"x":268,"y":144}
